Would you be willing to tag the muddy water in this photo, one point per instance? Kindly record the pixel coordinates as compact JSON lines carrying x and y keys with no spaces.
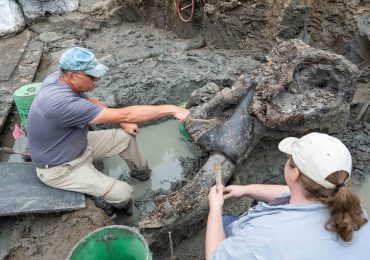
{"x":19,"y":145}
{"x":7,"y":140}
{"x":162,"y":146}
{"x":363,"y":191}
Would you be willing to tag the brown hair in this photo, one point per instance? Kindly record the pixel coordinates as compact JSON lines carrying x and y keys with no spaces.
{"x":346,"y":215}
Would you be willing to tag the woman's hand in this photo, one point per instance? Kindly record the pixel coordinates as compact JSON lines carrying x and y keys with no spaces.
{"x":216,"y":198}
{"x":131,"y":129}
{"x":235,"y":191}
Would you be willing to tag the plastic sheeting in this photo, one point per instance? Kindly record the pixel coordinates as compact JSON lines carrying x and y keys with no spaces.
{"x":11,"y":18}
{"x":35,"y":9}
{"x":14,"y":17}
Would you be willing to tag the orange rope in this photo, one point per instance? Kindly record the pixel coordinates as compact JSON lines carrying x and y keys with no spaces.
{"x":192,"y":11}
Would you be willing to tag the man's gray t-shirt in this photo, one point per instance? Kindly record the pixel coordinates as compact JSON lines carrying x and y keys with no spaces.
{"x":57,"y":123}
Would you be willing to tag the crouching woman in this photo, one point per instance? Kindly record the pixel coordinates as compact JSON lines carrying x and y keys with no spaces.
{"x":314,"y":216}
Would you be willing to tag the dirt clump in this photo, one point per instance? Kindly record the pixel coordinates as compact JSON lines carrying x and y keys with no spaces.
{"x":49,"y":236}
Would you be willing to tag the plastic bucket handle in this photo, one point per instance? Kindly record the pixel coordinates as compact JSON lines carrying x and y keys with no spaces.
{"x":31,"y":89}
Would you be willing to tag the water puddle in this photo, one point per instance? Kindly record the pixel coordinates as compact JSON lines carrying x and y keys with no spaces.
{"x":163,"y":148}
{"x":363,"y":191}
{"x":20,"y":145}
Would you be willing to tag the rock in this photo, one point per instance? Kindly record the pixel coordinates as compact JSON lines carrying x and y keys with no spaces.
{"x":361,"y":138}
{"x":191,"y":44}
{"x":36,"y":9}
{"x":184,"y":207}
{"x":360,"y":167}
{"x":97,"y":6}
{"x":13,"y":21}
{"x":49,"y":236}
{"x":357,"y":127}
{"x":108,"y":60}
{"x":298,"y":89}
{"x":69,"y":43}
{"x":364,"y":148}
{"x":49,"y":37}
{"x":308,"y":88}
{"x":295,"y":22}
{"x":203,"y":94}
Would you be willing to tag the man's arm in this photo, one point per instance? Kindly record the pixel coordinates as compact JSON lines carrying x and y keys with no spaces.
{"x":131,"y":129}
{"x":215,"y":233}
{"x":261,"y":192}
{"x":95,"y":101}
{"x":139,"y":114}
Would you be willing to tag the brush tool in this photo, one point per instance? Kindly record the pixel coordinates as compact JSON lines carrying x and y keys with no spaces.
{"x":218,"y":170}
{"x":211,"y":121}
{"x":9,"y":150}
{"x":173,"y":257}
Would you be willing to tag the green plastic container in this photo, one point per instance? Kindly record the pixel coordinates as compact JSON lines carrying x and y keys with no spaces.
{"x":112,"y":242}
{"x":23,"y":98}
{"x":184,"y":134}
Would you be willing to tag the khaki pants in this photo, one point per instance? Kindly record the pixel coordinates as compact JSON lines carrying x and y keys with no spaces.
{"x":80,"y":174}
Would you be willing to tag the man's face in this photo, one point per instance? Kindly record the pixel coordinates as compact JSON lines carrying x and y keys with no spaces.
{"x":83,"y":82}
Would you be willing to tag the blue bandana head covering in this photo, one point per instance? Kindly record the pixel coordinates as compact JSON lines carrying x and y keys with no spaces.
{"x":82,"y":59}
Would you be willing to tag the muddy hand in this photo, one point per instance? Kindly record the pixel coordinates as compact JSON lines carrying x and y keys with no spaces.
{"x":182,"y":114}
{"x":131,"y":129}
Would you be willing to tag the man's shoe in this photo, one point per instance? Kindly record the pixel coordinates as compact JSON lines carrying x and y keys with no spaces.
{"x":129,"y":209}
{"x":126,"y":207}
{"x":141,"y":174}
{"x":106,"y":206}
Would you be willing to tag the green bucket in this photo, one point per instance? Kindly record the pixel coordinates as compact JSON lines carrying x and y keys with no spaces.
{"x":183,"y":132}
{"x":23,"y":98}
{"x":112,"y":242}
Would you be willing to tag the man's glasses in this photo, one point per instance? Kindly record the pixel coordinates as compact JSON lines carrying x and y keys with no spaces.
{"x":87,"y":75}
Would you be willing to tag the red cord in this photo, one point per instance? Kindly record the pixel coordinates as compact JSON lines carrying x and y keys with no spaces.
{"x":192,"y":11}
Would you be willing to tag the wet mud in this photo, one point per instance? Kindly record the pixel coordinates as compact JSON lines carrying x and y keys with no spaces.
{"x":154,"y":58}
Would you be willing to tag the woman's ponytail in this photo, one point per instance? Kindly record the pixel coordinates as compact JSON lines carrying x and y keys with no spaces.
{"x":346,"y":215}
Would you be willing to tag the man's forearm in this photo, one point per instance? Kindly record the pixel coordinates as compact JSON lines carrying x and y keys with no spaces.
{"x":134,"y":114}
{"x":215,"y":233}
{"x":143,"y":113}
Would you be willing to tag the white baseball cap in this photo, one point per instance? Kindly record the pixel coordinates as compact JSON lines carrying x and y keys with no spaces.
{"x":317,"y":156}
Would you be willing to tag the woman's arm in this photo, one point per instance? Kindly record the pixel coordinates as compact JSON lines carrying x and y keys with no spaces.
{"x":261,"y":192}
{"x":215,"y":233}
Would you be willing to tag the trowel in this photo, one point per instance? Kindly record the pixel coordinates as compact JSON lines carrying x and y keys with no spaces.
{"x":8,"y":150}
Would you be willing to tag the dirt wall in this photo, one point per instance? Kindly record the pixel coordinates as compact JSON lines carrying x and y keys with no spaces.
{"x":256,"y":26}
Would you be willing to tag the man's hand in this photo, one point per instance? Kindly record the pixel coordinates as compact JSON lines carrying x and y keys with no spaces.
{"x":182,"y":114}
{"x":235,"y":191}
{"x":131,"y":129}
{"x":216,"y":198}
